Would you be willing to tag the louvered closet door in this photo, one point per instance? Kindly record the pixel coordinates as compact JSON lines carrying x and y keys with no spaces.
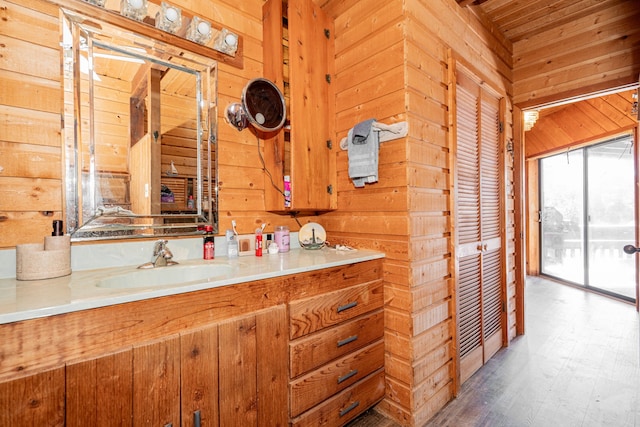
{"x":478,"y":226}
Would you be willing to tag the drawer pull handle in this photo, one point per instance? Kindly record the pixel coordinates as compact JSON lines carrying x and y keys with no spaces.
{"x":347,"y":376}
{"x":349,"y":408}
{"x":197,"y":422}
{"x":347,"y":306}
{"x":347,"y":340}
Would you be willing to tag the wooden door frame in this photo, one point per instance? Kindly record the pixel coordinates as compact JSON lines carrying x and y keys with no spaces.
{"x":521,"y":219}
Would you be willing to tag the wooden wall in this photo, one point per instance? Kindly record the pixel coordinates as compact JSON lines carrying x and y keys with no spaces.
{"x":31,"y":162}
{"x":30,"y":103}
{"x":585,"y":55}
{"x":392,"y":65}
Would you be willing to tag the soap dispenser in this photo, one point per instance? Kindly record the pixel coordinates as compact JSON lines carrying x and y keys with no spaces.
{"x":232,"y":244}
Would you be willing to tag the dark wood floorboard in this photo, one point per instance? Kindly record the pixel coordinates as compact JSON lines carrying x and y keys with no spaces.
{"x":578,"y":364}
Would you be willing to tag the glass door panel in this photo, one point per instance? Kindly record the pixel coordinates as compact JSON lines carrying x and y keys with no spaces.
{"x":562,"y":216}
{"x":611,"y":224}
{"x":592,"y":186}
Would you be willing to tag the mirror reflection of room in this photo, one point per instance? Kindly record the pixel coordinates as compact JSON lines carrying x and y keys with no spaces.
{"x":146,"y":123}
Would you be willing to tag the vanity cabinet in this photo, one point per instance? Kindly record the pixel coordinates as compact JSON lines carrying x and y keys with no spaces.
{"x":210,"y":376}
{"x":155,"y":383}
{"x":299,"y":349}
{"x":299,"y":58}
{"x":336,"y":355}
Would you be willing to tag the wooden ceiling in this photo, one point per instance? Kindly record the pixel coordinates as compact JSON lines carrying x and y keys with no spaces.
{"x":519,"y":20}
{"x":580,"y":123}
{"x":586,"y":120}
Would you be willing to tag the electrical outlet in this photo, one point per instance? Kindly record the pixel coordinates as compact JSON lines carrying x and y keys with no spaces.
{"x":246,"y":244}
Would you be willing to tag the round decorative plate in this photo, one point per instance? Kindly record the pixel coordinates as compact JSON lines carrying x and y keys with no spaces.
{"x":312,"y":236}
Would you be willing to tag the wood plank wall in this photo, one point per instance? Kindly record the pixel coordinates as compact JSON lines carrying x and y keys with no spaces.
{"x":594,"y":53}
{"x":391,"y":64}
{"x":31,"y":162}
{"x":30,"y":103}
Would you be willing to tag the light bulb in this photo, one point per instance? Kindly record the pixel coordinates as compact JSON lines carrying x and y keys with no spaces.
{"x":171,"y":14}
{"x":134,"y":9}
{"x":226,"y":42}
{"x":231,"y":39}
{"x":168,"y":18}
{"x":199,"y":30}
{"x":204,"y":28}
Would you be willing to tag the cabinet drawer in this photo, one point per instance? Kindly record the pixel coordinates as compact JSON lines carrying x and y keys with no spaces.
{"x":314,"y":350}
{"x":315,"y":313}
{"x":346,"y":405}
{"x":319,"y":385}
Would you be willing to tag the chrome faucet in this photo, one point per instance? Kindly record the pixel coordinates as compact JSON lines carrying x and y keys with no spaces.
{"x":161,"y":256}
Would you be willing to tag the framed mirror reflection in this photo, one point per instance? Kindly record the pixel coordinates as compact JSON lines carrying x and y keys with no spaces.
{"x":140,"y":123}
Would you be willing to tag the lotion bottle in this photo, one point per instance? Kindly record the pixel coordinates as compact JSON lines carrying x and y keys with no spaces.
{"x":208,"y":248}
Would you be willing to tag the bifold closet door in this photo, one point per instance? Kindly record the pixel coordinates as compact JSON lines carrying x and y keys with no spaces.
{"x":478,"y":225}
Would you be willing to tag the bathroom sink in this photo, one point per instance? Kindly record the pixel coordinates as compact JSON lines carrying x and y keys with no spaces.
{"x":165,"y":276}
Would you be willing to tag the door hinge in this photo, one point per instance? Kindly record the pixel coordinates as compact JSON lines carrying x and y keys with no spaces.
{"x":328,"y":78}
{"x":504,"y":306}
{"x":327,"y":33}
{"x":329,"y":144}
{"x":330,"y":189}
{"x":501,"y":126}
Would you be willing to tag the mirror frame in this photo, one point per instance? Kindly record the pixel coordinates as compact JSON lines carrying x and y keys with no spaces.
{"x":114,"y":223}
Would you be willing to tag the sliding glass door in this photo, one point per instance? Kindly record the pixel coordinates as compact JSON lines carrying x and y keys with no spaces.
{"x":588,"y":216}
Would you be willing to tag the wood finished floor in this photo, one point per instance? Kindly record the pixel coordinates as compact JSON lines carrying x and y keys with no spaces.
{"x":578,"y":364}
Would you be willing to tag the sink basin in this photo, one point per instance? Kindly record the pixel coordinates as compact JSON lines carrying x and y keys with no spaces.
{"x":164,"y":276}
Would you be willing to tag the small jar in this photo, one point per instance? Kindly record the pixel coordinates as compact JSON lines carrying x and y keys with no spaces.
{"x":282,"y":238}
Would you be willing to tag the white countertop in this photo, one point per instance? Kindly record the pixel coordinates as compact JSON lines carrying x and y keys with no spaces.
{"x":22,"y":300}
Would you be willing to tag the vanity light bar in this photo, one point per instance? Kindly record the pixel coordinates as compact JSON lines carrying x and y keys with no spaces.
{"x":229,"y":49}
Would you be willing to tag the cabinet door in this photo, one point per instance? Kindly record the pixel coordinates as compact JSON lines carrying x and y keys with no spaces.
{"x":36,"y":400}
{"x":302,"y":66}
{"x":156,"y":383}
{"x":253,"y":369}
{"x":199,"y":377}
{"x":99,"y":391}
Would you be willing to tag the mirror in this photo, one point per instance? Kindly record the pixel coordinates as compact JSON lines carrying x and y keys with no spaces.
{"x":262,"y":106}
{"x":140,"y":121}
